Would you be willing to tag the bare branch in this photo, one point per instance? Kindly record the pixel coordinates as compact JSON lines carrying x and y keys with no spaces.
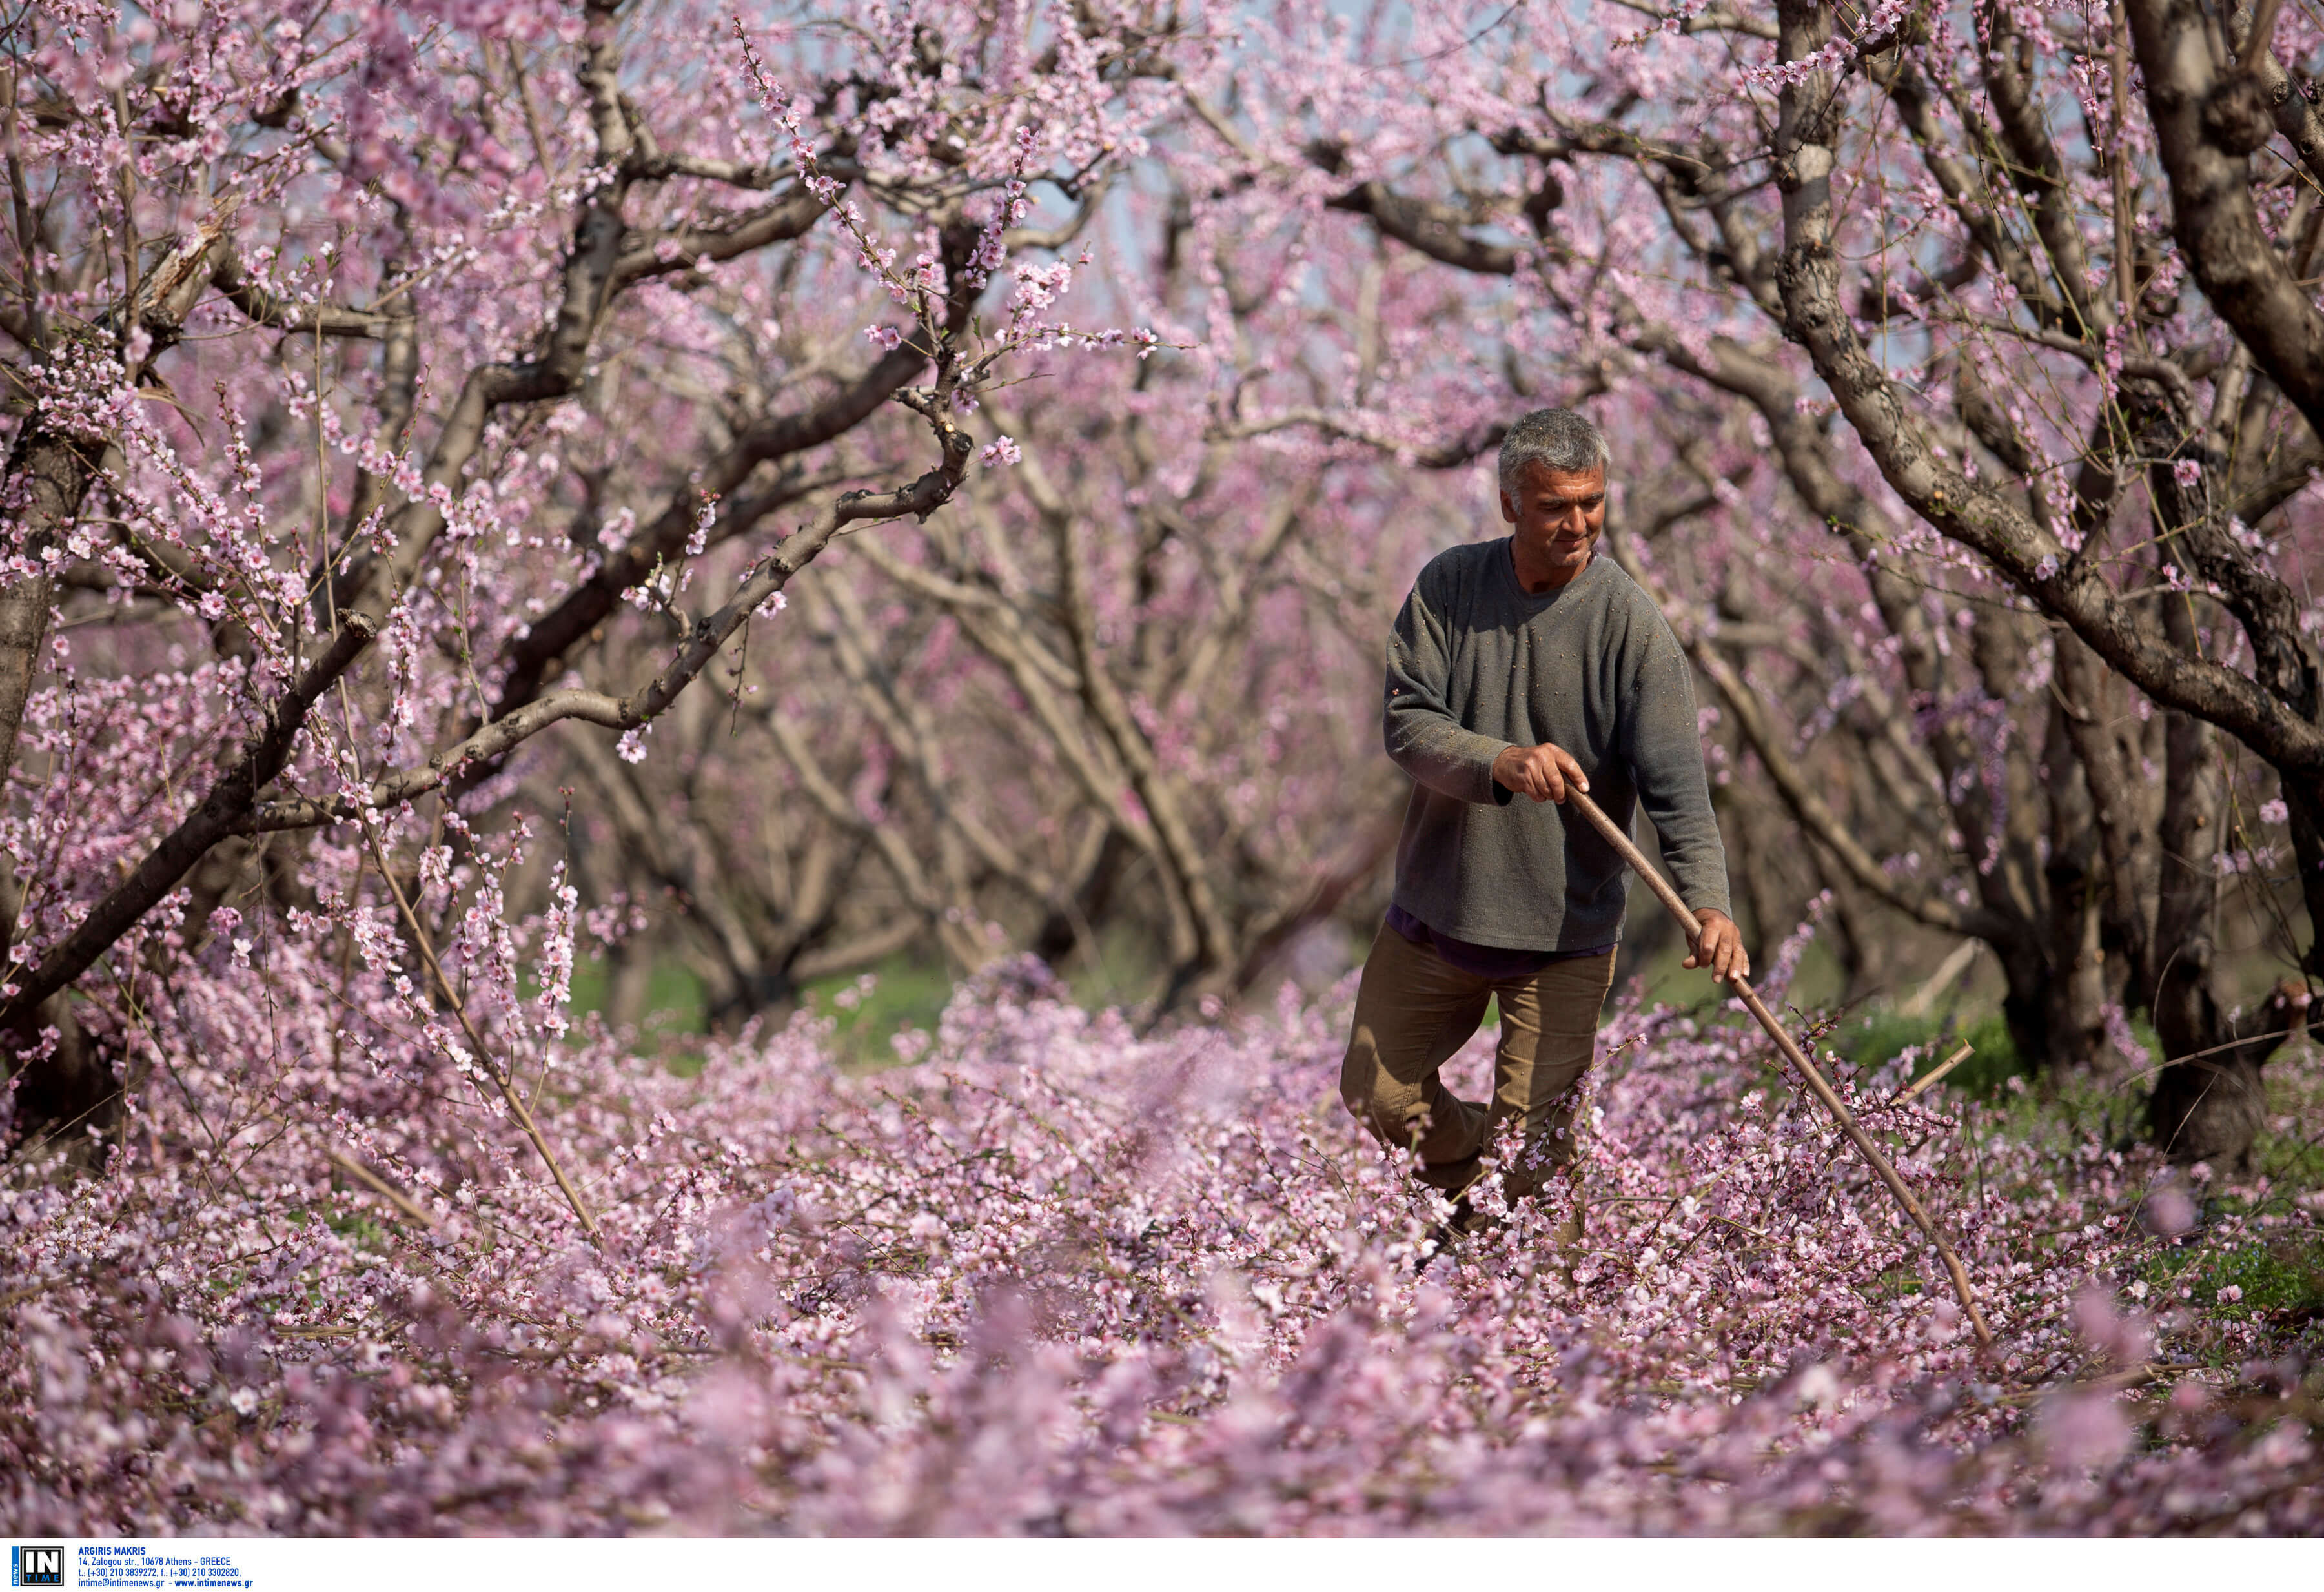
{"x":1353,"y":427}
{"x":2204,"y":125}
{"x":1713,"y":19}
{"x":684,"y":248}
{"x":267,"y":308}
{"x":1438,"y":231}
{"x":705,"y":638}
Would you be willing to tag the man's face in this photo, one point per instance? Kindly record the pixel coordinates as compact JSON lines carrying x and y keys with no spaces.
{"x":1559,"y":515}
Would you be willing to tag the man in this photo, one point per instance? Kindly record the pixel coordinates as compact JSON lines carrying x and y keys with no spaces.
{"x":1519,"y":668}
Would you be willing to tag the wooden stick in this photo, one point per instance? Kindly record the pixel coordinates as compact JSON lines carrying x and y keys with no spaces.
{"x":1928,"y":1080}
{"x":1796,"y":1056}
{"x":382,"y":1188}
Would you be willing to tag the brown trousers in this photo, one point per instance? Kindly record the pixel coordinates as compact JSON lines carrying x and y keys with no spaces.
{"x":1413,"y":1010}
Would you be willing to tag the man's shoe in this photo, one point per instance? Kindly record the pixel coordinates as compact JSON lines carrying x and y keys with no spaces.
{"x":1470,"y":1220}
{"x":1466,"y":1221}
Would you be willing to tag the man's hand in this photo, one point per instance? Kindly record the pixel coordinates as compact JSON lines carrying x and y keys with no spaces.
{"x":1719,"y":948}
{"x":1542,"y":772}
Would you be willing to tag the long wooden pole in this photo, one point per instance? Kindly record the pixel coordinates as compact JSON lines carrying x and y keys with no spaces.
{"x":1798,"y":1058}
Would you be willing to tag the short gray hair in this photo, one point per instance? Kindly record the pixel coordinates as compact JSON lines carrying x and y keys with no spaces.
{"x":1560,"y":439}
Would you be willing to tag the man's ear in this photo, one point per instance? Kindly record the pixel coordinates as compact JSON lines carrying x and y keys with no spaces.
{"x":1509,"y":506}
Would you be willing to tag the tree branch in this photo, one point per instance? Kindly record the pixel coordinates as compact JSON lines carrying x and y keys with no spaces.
{"x":2203,"y":127}
{"x":1972,"y":513}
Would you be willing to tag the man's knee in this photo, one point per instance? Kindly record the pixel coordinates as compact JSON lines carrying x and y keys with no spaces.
{"x":1393,"y":1116}
{"x":1359,"y":1075}
{"x":1359,"y":1107}
{"x":1398,"y":1114}
{"x":1360,"y":1084}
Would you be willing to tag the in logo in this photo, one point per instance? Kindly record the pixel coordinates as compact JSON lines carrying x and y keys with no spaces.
{"x":36,"y":1566}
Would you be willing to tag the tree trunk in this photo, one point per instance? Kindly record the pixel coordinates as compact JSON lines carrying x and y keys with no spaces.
{"x":2075,"y":995}
{"x":71,"y":1099}
{"x":2209,"y":1102}
{"x":629,"y":983}
{"x":1109,"y":852}
{"x":48,"y":476}
{"x":2212,"y":1107}
{"x":2027,"y":1002}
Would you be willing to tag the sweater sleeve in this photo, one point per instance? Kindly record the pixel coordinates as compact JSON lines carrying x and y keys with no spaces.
{"x":1661,"y":739}
{"x":1424,"y":737}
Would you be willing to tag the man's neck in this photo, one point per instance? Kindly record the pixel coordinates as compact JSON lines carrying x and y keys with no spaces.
{"x":1541,"y":582}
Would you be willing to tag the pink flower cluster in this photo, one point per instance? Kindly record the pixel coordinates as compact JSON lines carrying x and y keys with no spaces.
{"x":1058,"y":1277}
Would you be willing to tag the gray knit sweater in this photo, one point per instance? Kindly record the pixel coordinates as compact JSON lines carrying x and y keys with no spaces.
{"x":1476,"y":664}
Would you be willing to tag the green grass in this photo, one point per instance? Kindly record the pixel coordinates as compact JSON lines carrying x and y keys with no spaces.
{"x":676,"y":1001}
{"x":1124,"y":971}
{"x":1876,"y":1038}
{"x":2281,"y":1274}
{"x":904,"y":994}
{"x":366,"y":1231}
{"x":2291,"y":1162}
